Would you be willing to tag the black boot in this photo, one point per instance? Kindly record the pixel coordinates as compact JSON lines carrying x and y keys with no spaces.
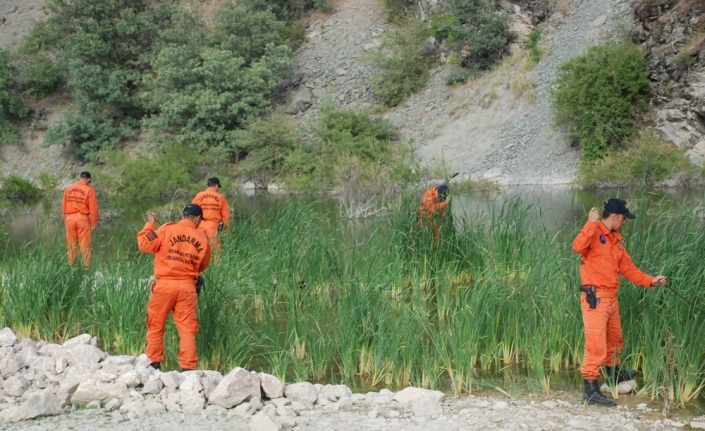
{"x":621,"y":375}
{"x":593,"y":395}
{"x":156,"y":365}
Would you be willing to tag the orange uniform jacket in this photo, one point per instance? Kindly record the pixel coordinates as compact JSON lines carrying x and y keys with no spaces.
{"x":604,"y":257}
{"x":80,"y":198}
{"x":182,"y":252}
{"x":215,"y":207}
{"x":429,"y":205}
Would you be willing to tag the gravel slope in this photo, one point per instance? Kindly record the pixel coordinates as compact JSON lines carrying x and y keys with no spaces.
{"x":466,"y":413}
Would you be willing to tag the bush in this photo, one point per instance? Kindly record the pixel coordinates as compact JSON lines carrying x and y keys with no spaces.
{"x":474,"y":30}
{"x":598,"y":93}
{"x":17,"y":188}
{"x":269,"y":143}
{"x":131,"y":63}
{"x":11,"y":106}
{"x":205,"y":100}
{"x":355,"y":133}
{"x":533,"y":45}
{"x":403,"y":66}
{"x":397,"y":11}
{"x":278,"y":150}
{"x":164,"y":172}
{"x":458,"y":76}
{"x":644,"y":159}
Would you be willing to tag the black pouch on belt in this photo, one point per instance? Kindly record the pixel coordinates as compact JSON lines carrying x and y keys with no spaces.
{"x":590,"y":297}
{"x":199,"y":284}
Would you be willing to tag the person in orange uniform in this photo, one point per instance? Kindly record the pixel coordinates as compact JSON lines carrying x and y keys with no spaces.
{"x":215,"y":210}
{"x":80,"y":209}
{"x":433,"y":207}
{"x":603,"y":258}
{"x":182,"y":254}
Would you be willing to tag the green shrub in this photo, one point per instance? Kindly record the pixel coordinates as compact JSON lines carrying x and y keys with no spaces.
{"x":598,"y":93}
{"x":533,"y":45}
{"x":458,"y":76}
{"x":356,"y":133}
{"x":87,"y":134}
{"x":11,"y":106}
{"x":269,"y":143}
{"x":403,"y":67}
{"x":294,"y":33}
{"x":131,"y":63}
{"x":17,"y":188}
{"x":644,"y":159}
{"x":474,"y":30}
{"x":164,"y":172}
{"x":279,"y":150}
{"x":206,"y":100}
{"x":397,"y":11}
{"x":48,"y":181}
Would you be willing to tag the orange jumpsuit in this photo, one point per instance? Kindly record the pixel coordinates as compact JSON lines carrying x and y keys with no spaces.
{"x":80,"y":209}
{"x":603,"y":258}
{"x":182,"y":253}
{"x":430,"y":209}
{"x":215,"y":209}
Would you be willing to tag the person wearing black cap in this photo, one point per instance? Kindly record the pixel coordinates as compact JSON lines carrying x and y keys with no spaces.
{"x":433,"y":207}
{"x":80,"y":210}
{"x":181,"y":253}
{"x":603,"y":259}
{"x":215,"y":211}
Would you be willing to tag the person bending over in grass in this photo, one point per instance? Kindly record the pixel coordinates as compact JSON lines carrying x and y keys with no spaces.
{"x":182,"y":254}
{"x":603,"y":258}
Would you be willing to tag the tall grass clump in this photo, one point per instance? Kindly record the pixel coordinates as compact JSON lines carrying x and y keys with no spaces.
{"x":303,"y":294}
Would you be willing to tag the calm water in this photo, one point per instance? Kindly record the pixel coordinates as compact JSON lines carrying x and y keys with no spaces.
{"x":24,"y":225}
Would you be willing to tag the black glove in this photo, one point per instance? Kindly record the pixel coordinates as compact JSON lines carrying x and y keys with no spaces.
{"x":199,"y":284}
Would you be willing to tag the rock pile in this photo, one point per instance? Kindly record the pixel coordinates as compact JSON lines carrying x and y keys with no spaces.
{"x":43,"y":379}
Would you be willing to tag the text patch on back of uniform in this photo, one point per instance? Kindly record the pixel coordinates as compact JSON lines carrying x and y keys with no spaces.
{"x":151,"y":236}
{"x":603,"y":239}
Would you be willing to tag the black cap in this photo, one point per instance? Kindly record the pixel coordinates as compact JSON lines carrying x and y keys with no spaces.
{"x":214,"y":181}
{"x":193,"y":210}
{"x":618,"y":206}
{"x":443,"y":190}
{"x":85,"y":174}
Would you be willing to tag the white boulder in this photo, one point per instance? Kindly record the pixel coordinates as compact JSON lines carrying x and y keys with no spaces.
{"x":238,"y":386}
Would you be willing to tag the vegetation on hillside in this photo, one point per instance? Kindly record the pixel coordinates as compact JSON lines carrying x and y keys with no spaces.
{"x":598,"y":95}
{"x":472,"y":32}
{"x":642,"y":159}
{"x":11,"y":105}
{"x":134,"y":65}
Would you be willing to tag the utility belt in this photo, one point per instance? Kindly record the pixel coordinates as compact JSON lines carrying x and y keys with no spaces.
{"x":198,"y":282}
{"x":592,"y":296}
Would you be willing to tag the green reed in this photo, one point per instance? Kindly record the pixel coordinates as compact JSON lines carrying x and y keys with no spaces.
{"x":300,"y":294}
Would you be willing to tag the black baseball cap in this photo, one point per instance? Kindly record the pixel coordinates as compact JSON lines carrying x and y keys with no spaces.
{"x":618,"y":206}
{"x":443,"y":190}
{"x":212,"y":181}
{"x":193,"y":210}
{"x":85,"y":174}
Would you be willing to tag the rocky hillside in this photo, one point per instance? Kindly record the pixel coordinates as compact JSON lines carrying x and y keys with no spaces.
{"x":499,"y":126}
{"x":673,"y":34}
